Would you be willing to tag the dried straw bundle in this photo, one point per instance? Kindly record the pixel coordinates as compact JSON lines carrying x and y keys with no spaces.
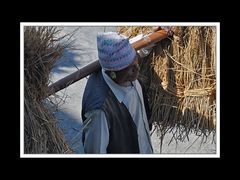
{"x":132,"y":31}
{"x":180,"y":79}
{"x":41,"y":50}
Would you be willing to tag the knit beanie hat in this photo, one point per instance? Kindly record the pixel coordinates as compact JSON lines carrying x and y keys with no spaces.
{"x":114,"y":51}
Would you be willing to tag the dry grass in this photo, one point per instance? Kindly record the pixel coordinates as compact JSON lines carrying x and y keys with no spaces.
{"x":132,"y":31}
{"x":180,"y":78}
{"x":42,"y":49}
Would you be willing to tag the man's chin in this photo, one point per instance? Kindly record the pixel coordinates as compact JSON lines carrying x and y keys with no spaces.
{"x":133,"y":78}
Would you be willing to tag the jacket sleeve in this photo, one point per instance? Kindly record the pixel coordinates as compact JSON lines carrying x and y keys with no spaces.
{"x":95,"y":133}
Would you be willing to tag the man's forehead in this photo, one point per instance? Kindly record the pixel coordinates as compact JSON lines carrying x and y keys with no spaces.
{"x":136,"y":58}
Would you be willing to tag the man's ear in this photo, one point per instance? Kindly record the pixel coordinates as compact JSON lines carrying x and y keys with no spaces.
{"x":113,"y":75}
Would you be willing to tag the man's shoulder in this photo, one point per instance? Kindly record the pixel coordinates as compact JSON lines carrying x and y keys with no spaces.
{"x":96,"y":91}
{"x":96,"y":82}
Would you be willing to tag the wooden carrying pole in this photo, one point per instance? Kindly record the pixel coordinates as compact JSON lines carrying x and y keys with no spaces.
{"x":95,"y":66}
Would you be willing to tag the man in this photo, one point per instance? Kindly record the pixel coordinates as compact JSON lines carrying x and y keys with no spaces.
{"x":113,"y":109}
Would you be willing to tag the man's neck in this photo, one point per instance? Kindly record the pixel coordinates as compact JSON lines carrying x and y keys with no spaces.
{"x":126,"y":84}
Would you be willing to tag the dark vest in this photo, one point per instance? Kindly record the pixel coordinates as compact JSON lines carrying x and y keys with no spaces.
{"x":122,"y":129}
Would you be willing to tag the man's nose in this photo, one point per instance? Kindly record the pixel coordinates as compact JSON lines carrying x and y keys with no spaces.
{"x":136,"y":67}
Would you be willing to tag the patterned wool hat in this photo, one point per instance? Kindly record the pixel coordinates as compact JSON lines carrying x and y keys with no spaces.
{"x":114,"y":51}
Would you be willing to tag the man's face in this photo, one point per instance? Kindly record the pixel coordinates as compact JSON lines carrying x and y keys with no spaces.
{"x":130,"y":73}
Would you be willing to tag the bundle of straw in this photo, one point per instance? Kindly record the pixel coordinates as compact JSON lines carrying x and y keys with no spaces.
{"x":41,"y":50}
{"x":180,"y":78}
